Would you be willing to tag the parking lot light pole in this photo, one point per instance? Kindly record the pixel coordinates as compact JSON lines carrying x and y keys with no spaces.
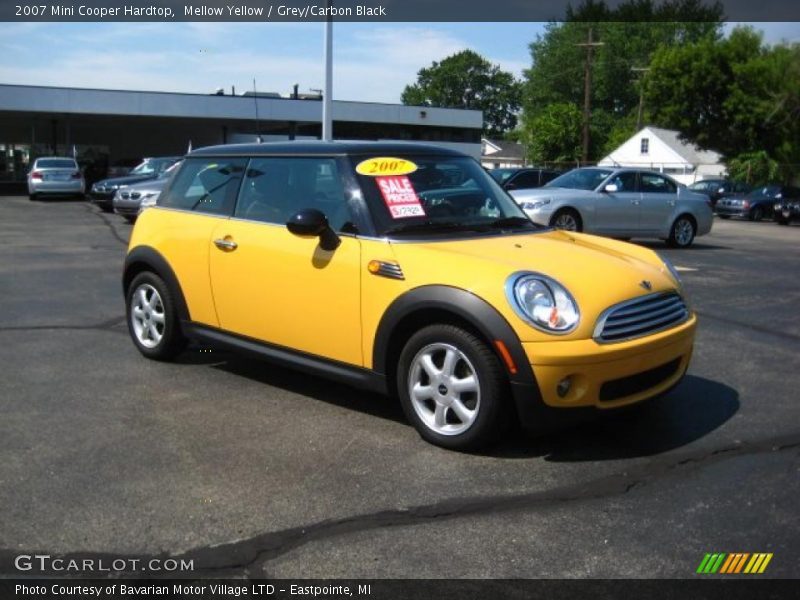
{"x":327,"y":124}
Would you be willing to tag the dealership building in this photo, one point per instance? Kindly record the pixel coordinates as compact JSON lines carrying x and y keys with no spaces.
{"x":105,"y":126}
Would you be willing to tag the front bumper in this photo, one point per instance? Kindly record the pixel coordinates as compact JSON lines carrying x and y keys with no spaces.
{"x":731,"y":211}
{"x":603,"y":376}
{"x":103,"y":199}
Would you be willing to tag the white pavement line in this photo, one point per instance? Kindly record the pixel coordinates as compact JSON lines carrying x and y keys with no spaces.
{"x":686,"y":269}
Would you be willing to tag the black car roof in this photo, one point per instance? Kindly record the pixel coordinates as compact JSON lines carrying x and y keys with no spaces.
{"x":317,"y":148}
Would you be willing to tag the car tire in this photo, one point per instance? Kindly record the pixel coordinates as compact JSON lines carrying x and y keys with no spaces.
{"x":757,"y":214}
{"x":130,"y":219}
{"x":152,"y":318}
{"x":724,"y":216}
{"x":682,"y":233}
{"x":458,"y":414}
{"x":567,"y":219}
{"x":32,"y":197}
{"x":782,"y":221}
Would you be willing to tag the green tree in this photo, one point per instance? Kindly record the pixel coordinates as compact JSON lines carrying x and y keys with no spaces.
{"x":554,"y":133}
{"x":630,"y":33}
{"x":736,"y":96}
{"x":467,"y":80}
{"x":754,"y":168}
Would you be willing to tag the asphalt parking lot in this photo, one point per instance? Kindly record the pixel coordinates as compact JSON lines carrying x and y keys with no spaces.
{"x":255,"y":470}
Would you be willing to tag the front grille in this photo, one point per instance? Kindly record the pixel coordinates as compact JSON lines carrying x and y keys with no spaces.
{"x":640,"y":317}
{"x":634,"y":384}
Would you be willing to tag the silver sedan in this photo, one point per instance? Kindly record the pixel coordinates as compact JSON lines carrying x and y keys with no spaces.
{"x":55,"y":175}
{"x":623,"y":203}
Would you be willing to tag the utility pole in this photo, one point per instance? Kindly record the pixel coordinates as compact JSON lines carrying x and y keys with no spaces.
{"x":640,"y":113}
{"x":590,"y":45}
{"x":327,"y":98}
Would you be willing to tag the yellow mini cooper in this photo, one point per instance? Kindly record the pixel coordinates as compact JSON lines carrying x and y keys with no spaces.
{"x":404,"y":269}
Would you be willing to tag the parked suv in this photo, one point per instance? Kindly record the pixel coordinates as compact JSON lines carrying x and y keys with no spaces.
{"x":403,"y":269}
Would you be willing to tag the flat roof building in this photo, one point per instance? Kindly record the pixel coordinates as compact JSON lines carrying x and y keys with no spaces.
{"x":111,"y":125}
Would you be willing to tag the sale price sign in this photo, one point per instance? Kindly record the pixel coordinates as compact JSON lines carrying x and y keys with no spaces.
{"x":400,"y":197}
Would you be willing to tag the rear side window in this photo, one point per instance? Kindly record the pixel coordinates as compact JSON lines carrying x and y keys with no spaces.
{"x":650,"y":183}
{"x":276,"y":188}
{"x":207,"y":185}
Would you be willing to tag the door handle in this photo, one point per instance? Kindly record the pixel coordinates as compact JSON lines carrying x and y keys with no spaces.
{"x":225,"y":244}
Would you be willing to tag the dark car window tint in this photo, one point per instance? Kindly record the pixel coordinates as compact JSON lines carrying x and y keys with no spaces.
{"x":56,"y":163}
{"x":625,"y":182}
{"x":275,"y":188}
{"x":651,"y":183}
{"x":205,"y":185}
{"x":528,"y":179}
{"x":548,"y":176}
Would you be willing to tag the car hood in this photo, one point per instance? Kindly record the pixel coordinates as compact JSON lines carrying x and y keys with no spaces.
{"x":151,"y":185}
{"x":598,"y":272}
{"x":127,"y":180}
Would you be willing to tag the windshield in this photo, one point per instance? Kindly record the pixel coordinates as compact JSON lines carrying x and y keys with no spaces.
{"x":167,"y":173}
{"x":437,"y":195}
{"x":581,"y":179}
{"x":502,"y":175}
{"x":56,"y":163}
{"x":152,"y":166}
{"x":768,"y":191}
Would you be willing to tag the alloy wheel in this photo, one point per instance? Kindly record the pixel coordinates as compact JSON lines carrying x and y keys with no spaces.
{"x":444,"y":389}
{"x":147,"y":315}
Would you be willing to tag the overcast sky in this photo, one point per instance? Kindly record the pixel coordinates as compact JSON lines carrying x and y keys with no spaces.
{"x":371,"y":62}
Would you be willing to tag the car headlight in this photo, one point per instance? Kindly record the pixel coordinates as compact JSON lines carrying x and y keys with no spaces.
{"x":534,"y":204}
{"x":148,"y":199}
{"x":672,"y":270}
{"x":542,"y":302}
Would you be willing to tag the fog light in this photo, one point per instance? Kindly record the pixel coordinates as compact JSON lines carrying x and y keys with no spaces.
{"x":562,"y":389}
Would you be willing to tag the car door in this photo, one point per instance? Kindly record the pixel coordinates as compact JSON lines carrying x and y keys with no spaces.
{"x":200,"y":196}
{"x":279,"y":288}
{"x":617,"y":213}
{"x":659,"y":195}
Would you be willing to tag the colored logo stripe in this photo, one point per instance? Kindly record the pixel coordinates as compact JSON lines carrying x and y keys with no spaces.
{"x":722,"y":562}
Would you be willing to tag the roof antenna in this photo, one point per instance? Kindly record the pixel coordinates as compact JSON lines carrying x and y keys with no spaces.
{"x":255,"y":100}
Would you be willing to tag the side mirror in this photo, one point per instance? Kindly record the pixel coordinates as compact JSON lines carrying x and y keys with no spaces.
{"x":311,"y":222}
{"x":611,"y":188}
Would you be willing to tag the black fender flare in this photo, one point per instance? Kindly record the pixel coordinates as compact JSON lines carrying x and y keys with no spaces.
{"x":146,"y":258}
{"x":476,"y":311}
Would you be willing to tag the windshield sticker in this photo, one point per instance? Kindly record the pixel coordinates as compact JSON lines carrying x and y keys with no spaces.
{"x":400,"y":197}
{"x":384,"y":165}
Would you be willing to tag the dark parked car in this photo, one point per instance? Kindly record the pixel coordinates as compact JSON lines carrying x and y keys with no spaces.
{"x":787,"y":208}
{"x":103,"y":191}
{"x":755,"y":205}
{"x":716,"y":189}
{"x":523,"y":179}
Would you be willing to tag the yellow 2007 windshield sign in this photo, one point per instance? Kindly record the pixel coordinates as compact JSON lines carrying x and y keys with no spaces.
{"x":385,"y":165}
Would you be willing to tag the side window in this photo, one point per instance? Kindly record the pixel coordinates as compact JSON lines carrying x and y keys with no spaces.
{"x":276,"y":188}
{"x":625,"y":182}
{"x":651,"y":183}
{"x":644,"y":146}
{"x":205,"y":185}
{"x":528,"y":179}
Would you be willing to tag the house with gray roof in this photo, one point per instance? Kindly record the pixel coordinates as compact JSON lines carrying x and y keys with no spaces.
{"x":663,"y":150}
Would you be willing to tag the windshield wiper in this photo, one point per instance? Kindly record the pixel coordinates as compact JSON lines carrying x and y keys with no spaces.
{"x":510,"y":222}
{"x":427,"y":226}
